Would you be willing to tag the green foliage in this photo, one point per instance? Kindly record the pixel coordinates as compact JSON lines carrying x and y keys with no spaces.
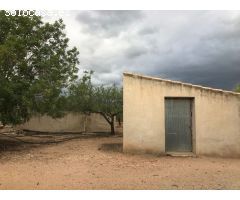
{"x":237,"y":89}
{"x":80,"y":94}
{"x":108,"y":100}
{"x":105,"y":100}
{"x":35,"y":65}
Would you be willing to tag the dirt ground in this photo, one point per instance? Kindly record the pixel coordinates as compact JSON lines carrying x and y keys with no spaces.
{"x":98,"y":163}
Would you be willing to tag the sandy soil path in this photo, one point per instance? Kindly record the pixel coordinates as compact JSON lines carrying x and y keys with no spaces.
{"x":85,"y":164}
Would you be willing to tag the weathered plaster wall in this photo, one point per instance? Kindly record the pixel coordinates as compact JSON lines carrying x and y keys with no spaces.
{"x":216,"y":116}
{"x":96,"y":123}
{"x":71,"y":122}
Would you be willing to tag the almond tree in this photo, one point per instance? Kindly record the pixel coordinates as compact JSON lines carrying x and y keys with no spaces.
{"x":84,"y":97}
{"x":36,"y":64}
{"x":108,"y":102}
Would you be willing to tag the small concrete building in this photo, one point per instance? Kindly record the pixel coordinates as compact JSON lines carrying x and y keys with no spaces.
{"x":163,"y":116}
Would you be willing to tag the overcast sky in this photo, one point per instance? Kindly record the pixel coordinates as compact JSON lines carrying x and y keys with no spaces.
{"x":199,"y":47}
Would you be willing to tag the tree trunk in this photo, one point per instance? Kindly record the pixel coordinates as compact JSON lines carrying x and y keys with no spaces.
{"x":119,"y":122}
{"x":110,"y":120}
{"x":112,"y":126}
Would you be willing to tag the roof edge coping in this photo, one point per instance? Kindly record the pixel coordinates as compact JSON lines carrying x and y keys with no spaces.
{"x":178,"y":83}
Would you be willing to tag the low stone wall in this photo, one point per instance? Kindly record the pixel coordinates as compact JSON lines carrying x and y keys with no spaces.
{"x":71,"y":122}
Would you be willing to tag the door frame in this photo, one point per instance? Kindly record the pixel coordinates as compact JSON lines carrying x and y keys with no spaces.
{"x":193,"y":124}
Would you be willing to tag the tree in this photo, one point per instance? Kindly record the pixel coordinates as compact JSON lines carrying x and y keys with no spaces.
{"x":108,"y":102}
{"x":86,"y":98}
{"x":80,"y":94}
{"x":237,"y":89}
{"x":36,"y":65}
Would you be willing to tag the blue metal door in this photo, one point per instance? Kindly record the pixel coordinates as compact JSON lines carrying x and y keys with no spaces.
{"x":178,"y":125}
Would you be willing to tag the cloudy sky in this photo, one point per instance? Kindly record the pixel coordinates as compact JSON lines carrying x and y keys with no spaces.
{"x":200,"y":47}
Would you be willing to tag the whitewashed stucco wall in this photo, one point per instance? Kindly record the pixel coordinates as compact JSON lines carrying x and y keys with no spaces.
{"x":216,"y":122}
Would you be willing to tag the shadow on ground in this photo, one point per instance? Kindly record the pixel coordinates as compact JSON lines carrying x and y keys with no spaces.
{"x":27,"y":140}
{"x":8,"y":144}
{"x":113,"y":147}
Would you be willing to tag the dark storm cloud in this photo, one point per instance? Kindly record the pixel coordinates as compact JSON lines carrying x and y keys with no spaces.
{"x":135,"y":51}
{"x":212,"y":61}
{"x":217,"y":76}
{"x":108,"y":23}
{"x":200,"y":47}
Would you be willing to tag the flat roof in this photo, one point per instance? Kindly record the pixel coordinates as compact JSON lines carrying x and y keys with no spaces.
{"x":179,"y":83}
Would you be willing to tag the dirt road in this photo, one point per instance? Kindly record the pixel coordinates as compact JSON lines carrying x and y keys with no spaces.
{"x":84,"y":164}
